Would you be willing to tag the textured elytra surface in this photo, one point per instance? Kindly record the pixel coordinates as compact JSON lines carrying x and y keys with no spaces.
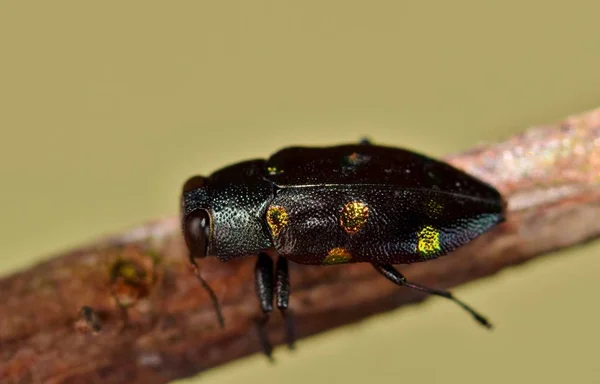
{"x":372,"y":164}
{"x":400,"y":221}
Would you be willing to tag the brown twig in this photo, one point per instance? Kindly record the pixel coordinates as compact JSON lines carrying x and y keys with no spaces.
{"x":549,"y":175}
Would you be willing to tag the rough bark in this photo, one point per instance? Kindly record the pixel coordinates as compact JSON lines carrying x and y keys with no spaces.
{"x":549,"y":175}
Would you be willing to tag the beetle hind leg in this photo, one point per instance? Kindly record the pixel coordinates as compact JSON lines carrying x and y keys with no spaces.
{"x":397,"y":278}
{"x":282,"y":289}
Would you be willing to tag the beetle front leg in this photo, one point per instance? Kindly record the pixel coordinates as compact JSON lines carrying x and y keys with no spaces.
{"x":282,"y":290}
{"x":263,"y":277}
{"x":397,"y":278}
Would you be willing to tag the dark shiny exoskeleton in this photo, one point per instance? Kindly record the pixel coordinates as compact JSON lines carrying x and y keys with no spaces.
{"x":335,"y":205}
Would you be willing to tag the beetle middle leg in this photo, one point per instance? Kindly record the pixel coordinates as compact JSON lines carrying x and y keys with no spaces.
{"x":396,"y":277}
{"x":263,"y":277}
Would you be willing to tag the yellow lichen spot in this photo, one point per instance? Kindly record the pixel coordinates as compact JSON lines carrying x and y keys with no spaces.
{"x":429,"y":241}
{"x":337,"y":256}
{"x":277,"y":218}
{"x":354,"y":216}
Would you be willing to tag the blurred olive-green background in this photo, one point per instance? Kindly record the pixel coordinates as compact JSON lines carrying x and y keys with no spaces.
{"x":107,"y":107}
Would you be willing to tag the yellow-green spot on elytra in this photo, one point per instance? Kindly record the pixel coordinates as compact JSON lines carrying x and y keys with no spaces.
{"x":429,"y":241}
{"x":337,"y":256}
{"x":277,"y":219}
{"x":354,"y":216}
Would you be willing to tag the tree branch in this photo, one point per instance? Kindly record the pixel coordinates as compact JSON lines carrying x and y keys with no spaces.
{"x":550,"y":176}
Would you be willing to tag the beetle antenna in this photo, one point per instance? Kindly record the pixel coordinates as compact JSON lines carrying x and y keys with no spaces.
{"x":209,"y":290}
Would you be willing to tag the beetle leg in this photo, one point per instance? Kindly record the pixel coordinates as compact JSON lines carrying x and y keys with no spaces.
{"x":396,"y":277}
{"x":263,"y":277}
{"x":282,"y":294}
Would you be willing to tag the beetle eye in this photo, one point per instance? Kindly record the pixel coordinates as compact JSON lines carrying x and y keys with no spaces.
{"x":196,"y":232}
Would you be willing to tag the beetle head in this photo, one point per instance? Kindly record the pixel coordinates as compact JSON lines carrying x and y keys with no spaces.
{"x":224,"y":217}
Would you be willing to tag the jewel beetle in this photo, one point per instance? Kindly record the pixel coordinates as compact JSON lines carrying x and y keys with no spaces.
{"x":354,"y":203}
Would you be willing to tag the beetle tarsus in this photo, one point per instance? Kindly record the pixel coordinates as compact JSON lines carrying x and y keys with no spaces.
{"x":282,"y":294}
{"x":396,"y":277}
{"x":290,"y":328}
{"x":261,"y":325}
{"x":263,"y":277}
